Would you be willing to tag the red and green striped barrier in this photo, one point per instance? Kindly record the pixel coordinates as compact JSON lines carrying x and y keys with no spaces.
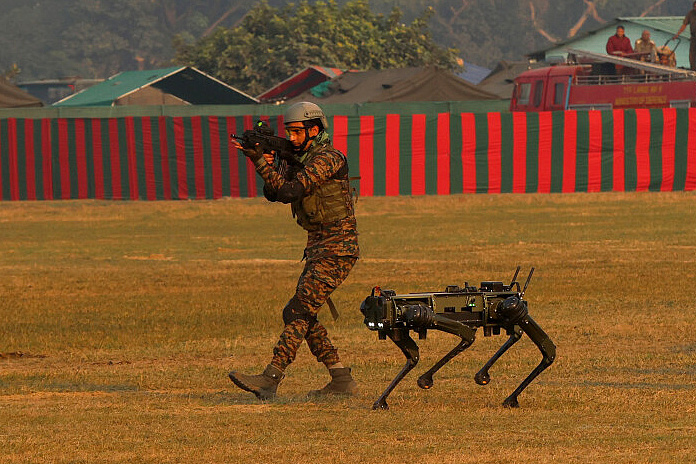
{"x":188,"y":157}
{"x":632,"y":150}
{"x":129,"y":158}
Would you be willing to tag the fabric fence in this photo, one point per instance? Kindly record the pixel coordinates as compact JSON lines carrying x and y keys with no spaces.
{"x":405,"y":153}
{"x":129,"y":158}
{"x":571,"y":151}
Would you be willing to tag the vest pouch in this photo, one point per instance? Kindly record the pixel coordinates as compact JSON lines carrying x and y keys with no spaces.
{"x":325,"y":205}
{"x":312,"y":207}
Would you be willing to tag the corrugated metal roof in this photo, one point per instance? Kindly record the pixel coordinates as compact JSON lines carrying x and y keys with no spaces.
{"x":669,"y":24}
{"x":474,"y":73}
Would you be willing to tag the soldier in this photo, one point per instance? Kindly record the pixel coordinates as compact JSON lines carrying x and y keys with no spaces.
{"x":690,"y":20}
{"x":319,"y":194}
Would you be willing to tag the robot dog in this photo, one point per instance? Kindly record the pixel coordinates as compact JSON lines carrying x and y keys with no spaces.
{"x":458,"y":311}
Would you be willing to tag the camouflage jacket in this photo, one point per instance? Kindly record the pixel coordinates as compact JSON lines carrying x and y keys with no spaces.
{"x":286,"y":184}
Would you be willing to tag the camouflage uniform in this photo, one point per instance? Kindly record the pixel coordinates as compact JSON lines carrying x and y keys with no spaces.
{"x":331,"y":251}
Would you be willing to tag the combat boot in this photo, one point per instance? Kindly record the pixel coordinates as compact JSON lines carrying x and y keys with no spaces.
{"x":264,"y":386}
{"x":342,"y":383}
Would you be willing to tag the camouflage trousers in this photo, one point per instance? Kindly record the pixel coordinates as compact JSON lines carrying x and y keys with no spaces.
{"x":319,"y":279}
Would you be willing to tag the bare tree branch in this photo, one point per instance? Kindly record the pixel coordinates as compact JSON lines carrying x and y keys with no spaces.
{"x":649,"y":9}
{"x":595,"y":15}
{"x":220,"y":19}
{"x":466,"y":4}
{"x":590,"y":10}
{"x":538,"y":28}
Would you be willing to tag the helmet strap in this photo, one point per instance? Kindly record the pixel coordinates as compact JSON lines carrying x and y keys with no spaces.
{"x":308,"y":138}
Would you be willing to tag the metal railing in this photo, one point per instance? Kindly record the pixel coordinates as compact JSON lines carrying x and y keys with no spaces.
{"x":630,"y":79}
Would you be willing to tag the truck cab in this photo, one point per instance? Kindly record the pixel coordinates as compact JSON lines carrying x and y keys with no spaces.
{"x":543,"y":89}
{"x":602,"y":86}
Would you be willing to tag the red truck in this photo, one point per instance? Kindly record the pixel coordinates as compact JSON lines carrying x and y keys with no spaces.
{"x":609,"y":83}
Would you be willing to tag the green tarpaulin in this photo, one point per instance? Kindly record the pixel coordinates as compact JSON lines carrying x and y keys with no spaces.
{"x":187,"y":85}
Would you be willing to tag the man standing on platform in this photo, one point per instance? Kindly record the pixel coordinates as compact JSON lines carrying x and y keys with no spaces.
{"x":690,"y":20}
{"x":618,"y":44}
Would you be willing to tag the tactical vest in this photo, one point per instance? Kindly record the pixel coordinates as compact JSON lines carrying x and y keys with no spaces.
{"x":325,"y":203}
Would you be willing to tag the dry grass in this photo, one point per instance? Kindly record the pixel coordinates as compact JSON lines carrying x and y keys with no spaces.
{"x":119,"y":322}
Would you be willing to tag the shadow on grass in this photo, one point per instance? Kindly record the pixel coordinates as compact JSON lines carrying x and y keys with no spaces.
{"x":233,"y":398}
{"x":639,"y":385}
{"x":41,"y":385}
{"x":21,"y":355}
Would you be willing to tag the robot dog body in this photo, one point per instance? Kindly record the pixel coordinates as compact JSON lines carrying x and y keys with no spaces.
{"x":459,"y":311}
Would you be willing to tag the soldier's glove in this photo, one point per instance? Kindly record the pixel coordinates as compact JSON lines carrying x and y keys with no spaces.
{"x":254,"y":154}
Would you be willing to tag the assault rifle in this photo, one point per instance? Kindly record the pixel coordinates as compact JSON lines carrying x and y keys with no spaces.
{"x":459,"y":311}
{"x":262,"y":134}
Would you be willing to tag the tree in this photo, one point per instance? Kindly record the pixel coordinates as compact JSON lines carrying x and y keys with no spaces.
{"x":98,"y":38}
{"x":487,"y":31}
{"x":272,"y":43}
{"x":104,"y":40}
{"x":10,"y":73}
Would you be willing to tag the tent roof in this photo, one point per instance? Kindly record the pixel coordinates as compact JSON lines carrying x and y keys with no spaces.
{"x":395,"y":85}
{"x":669,"y":24}
{"x":299,"y":82}
{"x":186,"y":83}
{"x":473,"y":73}
{"x":12,"y":96}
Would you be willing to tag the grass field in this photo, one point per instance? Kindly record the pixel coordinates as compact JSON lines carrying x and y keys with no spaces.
{"x":120,"y":321}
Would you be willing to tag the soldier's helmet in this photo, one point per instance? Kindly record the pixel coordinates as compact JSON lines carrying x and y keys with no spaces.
{"x":305,"y":111}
